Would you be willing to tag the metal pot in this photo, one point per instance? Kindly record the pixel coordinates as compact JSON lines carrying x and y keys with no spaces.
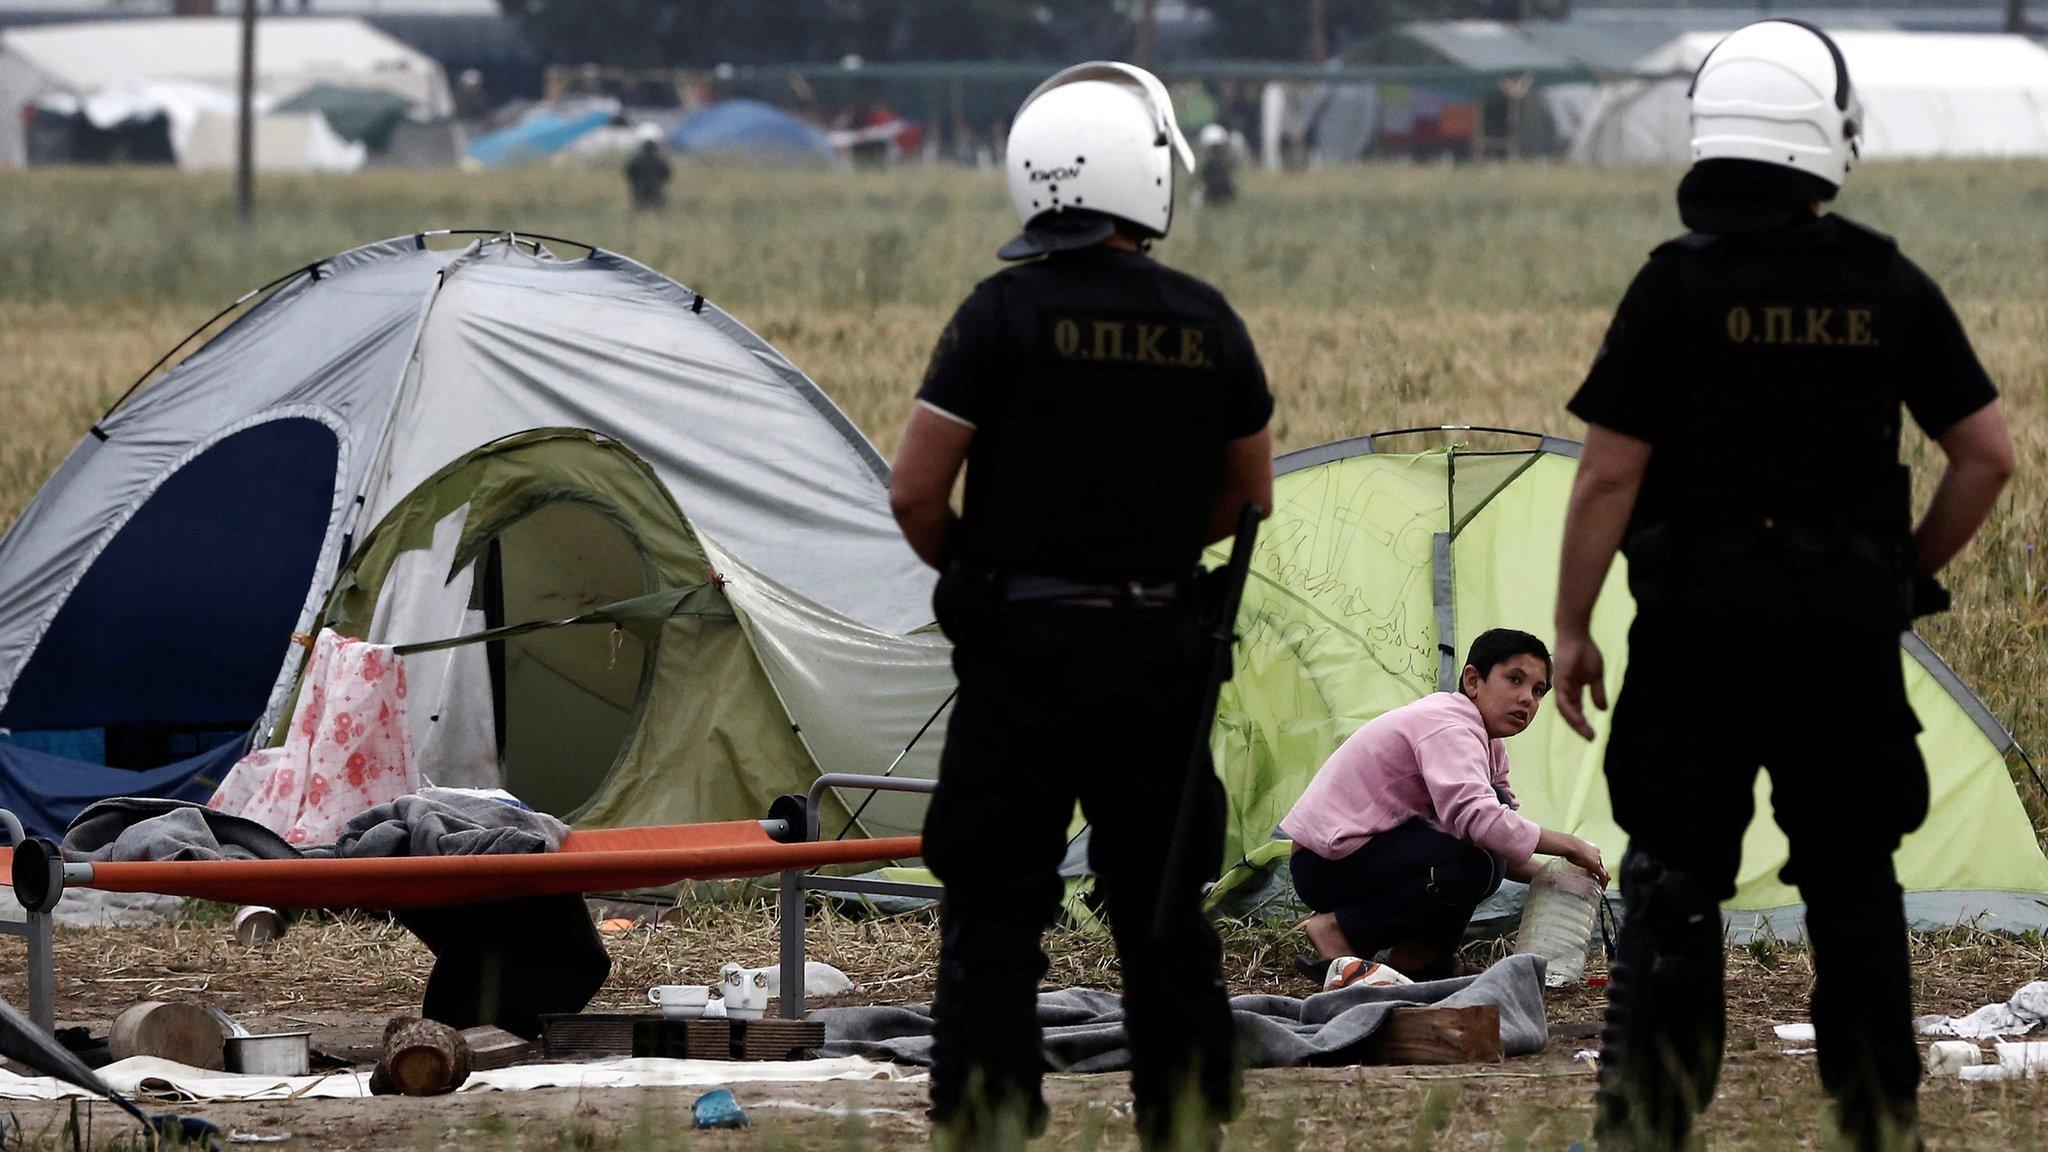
{"x":274,"y":1054}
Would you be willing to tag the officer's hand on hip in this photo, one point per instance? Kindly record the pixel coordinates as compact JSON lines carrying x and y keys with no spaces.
{"x":1579,"y":665}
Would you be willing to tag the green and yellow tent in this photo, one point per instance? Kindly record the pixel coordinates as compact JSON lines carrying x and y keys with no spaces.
{"x":1380,"y":564}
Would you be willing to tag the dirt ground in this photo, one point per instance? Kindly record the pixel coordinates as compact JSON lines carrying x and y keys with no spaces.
{"x":343,"y":978}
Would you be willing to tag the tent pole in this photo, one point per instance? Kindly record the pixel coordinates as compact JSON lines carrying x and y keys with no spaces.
{"x":1442,"y":585}
{"x":244,"y":298}
{"x":891,"y":771}
{"x":2032,"y":769}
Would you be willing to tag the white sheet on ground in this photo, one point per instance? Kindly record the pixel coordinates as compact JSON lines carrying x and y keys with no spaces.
{"x":2017,"y":1016}
{"x":167,"y":1080}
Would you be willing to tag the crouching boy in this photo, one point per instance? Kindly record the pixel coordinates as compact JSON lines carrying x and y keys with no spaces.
{"x":1411,"y":822}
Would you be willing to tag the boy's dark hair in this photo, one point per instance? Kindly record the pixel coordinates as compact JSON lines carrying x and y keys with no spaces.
{"x":1498,"y":645}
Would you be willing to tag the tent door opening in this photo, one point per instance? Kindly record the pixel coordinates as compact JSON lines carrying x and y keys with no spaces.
{"x":565,"y":701}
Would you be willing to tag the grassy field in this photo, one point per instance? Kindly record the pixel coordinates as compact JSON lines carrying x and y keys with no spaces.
{"x":1380,"y":297}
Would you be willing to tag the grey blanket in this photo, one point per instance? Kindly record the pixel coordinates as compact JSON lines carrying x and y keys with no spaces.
{"x":1084,"y":1029}
{"x":434,"y":822}
{"x":448,"y":822}
{"x":143,"y":828}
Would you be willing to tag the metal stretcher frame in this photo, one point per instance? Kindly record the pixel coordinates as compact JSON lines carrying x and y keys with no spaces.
{"x":593,"y":861}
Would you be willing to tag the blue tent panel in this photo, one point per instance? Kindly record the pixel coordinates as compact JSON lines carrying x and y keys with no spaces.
{"x":537,"y":137}
{"x":185,"y":619}
{"x":47,"y":791}
{"x":750,"y":128}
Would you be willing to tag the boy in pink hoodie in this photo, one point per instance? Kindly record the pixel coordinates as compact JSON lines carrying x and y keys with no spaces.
{"x":1411,"y":822}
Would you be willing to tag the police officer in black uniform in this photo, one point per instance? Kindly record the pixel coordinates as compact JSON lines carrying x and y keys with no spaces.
{"x":1111,"y":414}
{"x":1743,"y":433}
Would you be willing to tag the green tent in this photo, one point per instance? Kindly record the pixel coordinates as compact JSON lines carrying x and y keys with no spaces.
{"x":1378,"y":566}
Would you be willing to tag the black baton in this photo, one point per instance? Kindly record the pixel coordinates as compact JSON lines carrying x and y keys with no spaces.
{"x":1222,"y":634}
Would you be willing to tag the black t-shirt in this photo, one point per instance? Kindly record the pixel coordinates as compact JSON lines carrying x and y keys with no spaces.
{"x":1768,"y":372}
{"x":1102,"y":387}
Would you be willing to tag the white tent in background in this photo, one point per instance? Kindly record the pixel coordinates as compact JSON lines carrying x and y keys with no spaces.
{"x":1925,"y":95}
{"x":284,"y":142}
{"x":81,"y":60}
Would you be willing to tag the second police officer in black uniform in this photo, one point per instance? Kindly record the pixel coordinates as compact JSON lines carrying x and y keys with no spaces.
{"x":1744,"y":419}
{"x":1111,"y":415}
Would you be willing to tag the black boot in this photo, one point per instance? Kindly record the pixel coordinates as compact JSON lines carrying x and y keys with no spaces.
{"x":1660,"y":1052}
{"x":988,"y":1115}
{"x":1862,"y":1000}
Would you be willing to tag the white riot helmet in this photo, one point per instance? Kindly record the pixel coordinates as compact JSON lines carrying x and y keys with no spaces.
{"x":1093,"y":145}
{"x":1778,"y":92}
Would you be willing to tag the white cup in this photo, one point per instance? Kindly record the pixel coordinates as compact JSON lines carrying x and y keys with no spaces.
{"x":680,"y":1001}
{"x":746,"y":992}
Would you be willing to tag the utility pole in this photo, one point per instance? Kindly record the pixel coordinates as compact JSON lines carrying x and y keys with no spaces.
{"x":1147,"y":47}
{"x":245,"y":121}
{"x":1317,"y":49}
{"x":2016,"y":17}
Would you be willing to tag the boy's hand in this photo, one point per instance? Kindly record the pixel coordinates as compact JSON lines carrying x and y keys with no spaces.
{"x":1586,"y":854}
{"x":1579,"y":665}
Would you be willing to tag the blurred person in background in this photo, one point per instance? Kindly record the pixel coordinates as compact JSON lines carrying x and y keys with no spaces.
{"x":1218,"y":169}
{"x":648,"y":172}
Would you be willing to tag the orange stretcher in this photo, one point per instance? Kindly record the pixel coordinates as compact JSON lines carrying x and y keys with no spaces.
{"x":598,"y":860}
{"x":606,"y":860}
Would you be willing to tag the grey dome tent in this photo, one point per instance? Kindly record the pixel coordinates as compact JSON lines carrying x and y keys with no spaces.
{"x":677,"y":552}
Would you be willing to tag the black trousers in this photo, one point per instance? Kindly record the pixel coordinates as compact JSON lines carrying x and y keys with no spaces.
{"x":1057,"y":704}
{"x":509,"y":963}
{"x":1824,"y":711}
{"x":1413,"y":883}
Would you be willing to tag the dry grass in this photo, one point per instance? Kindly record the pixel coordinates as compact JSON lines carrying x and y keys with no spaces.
{"x":1380,"y":297}
{"x":346,"y":974}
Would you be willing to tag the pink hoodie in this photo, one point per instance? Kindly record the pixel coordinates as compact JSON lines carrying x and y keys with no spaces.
{"x":1432,"y":759}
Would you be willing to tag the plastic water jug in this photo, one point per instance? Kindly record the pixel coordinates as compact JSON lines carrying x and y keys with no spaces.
{"x":1558,"y":920}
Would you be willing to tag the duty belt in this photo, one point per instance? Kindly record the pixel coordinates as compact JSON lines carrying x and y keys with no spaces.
{"x":1058,"y":589}
{"x":1708,"y":533}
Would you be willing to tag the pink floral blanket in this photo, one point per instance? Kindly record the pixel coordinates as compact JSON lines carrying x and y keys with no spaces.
{"x":346,"y":752}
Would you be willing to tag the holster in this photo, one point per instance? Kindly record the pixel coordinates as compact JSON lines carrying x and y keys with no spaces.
{"x":967,"y":602}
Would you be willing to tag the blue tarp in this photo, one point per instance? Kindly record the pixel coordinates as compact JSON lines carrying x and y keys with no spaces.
{"x":537,"y":137}
{"x":751,"y":128}
{"x":47,"y":791}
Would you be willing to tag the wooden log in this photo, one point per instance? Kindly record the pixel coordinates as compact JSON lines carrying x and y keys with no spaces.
{"x":492,"y":1047}
{"x":1437,"y":1036}
{"x":421,"y":1058}
{"x":169,"y":1030}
